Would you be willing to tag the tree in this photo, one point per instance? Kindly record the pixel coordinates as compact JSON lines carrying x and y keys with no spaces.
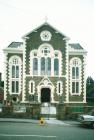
{"x":89,"y":86}
{"x":90,"y":90}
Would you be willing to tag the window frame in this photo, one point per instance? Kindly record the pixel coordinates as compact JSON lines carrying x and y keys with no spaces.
{"x":15,"y":73}
{"x":75,"y":76}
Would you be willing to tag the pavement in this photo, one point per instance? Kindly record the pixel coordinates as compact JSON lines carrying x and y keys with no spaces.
{"x":46,"y":121}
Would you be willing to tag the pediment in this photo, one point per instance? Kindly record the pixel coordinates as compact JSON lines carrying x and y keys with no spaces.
{"x":45,"y":26}
{"x":45,"y":82}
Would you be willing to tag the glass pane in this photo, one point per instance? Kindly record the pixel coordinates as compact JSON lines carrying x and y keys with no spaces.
{"x":31,"y":87}
{"x":17,"y":71}
{"x":17,"y":86}
{"x":77,"y":87}
{"x":48,"y":66}
{"x":73,"y":87}
{"x":42,"y":65}
{"x":59,"y":87}
{"x":13,"y":71}
{"x":73,"y":72}
{"x":56,"y":66}
{"x":13,"y":86}
{"x":35,"y":66}
{"x":77,"y":72}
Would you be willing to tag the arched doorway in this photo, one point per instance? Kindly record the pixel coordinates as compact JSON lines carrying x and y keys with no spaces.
{"x":45,"y":95}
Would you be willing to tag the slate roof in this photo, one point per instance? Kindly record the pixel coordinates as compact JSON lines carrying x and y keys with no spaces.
{"x":76,"y":46}
{"x":15,"y":45}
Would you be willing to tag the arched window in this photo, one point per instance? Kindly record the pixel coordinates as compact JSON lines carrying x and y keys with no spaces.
{"x":15,"y":74}
{"x":45,"y":61}
{"x":75,"y":67}
{"x":56,"y":66}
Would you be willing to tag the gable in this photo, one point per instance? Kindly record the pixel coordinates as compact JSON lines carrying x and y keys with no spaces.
{"x":34,"y":39}
{"x":48,"y":27}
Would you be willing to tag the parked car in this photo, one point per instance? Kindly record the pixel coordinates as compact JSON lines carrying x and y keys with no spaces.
{"x":87,"y":119}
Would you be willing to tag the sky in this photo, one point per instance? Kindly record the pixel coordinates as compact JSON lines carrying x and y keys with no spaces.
{"x":74,"y":18}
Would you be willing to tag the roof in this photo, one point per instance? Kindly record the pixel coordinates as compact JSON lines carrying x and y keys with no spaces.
{"x":46,"y":23}
{"x":15,"y":45}
{"x":76,"y":46}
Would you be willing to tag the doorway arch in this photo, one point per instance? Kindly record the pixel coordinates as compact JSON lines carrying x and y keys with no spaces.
{"x":45,"y":95}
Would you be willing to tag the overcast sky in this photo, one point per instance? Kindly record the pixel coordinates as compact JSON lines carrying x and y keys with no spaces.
{"x":74,"y":18}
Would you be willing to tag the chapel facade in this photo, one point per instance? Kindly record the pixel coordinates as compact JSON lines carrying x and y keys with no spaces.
{"x":45,"y":68}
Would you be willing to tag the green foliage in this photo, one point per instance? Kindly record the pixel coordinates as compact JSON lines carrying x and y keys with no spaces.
{"x":90,"y":91}
{"x":89,"y":86}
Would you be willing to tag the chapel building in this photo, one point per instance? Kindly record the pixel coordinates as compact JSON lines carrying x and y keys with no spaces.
{"x":45,"y":68}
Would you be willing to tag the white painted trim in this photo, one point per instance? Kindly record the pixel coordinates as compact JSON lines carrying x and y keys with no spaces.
{"x":84,"y":80}
{"x":5,"y":76}
{"x":67,"y":73}
{"x":75,"y":80}
{"x":10,"y":73}
{"x":33,"y":82}
{"x":74,"y":102}
{"x":77,"y":53}
{"x":27,"y":75}
{"x":14,"y":50}
{"x":51,"y":55}
{"x":61,"y":87}
{"x":24,"y":69}
{"x":45,"y":83}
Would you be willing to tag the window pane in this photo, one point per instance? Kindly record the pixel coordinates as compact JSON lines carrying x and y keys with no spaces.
{"x":73,"y":72}
{"x":13,"y":71}
{"x":48,"y":66}
{"x":17,"y":86}
{"x":77,"y":72}
{"x":77,"y":87}
{"x":31,"y":87}
{"x":13,"y":86}
{"x":59,"y":87}
{"x":17,"y":71}
{"x":56,"y":67}
{"x":35,"y":66}
{"x":73,"y":87}
{"x":42,"y":65}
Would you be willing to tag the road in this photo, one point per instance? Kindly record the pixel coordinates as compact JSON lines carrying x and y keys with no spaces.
{"x":29,"y":131}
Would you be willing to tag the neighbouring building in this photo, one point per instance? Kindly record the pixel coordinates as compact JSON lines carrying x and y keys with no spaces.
{"x":1,"y":90}
{"x":45,"y":69}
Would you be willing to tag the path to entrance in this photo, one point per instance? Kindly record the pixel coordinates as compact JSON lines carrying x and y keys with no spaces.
{"x":55,"y":121}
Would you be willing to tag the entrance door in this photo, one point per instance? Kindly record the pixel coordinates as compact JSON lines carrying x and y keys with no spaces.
{"x":45,"y":95}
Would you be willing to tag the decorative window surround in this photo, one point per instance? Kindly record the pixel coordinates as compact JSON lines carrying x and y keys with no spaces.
{"x":45,"y":83}
{"x":75,"y":64}
{"x":5,"y":76}
{"x":19,"y":64}
{"x":67,"y":73}
{"x":59,"y":88}
{"x":24,"y":69}
{"x":45,"y":35}
{"x":46,"y":51}
{"x":31,"y":87}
